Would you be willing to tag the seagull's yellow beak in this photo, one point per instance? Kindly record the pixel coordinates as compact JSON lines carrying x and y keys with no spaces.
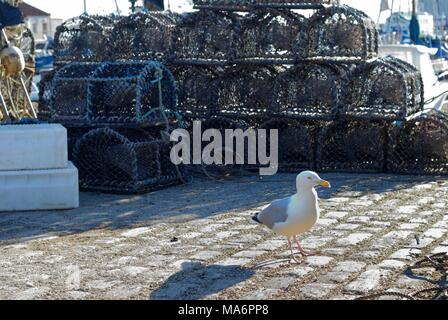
{"x":325,"y":184}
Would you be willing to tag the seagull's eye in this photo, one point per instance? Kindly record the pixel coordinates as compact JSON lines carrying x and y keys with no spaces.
{"x":310,"y":178}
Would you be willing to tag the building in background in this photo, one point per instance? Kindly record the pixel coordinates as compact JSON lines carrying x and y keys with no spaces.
{"x":397,"y":26}
{"x":439,"y":9}
{"x":40,"y":22}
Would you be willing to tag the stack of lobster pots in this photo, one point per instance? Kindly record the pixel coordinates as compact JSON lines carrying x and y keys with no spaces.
{"x":307,"y":68}
{"x":315,"y":77}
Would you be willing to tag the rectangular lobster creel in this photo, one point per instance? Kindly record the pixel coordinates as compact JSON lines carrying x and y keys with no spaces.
{"x":267,"y":37}
{"x":309,"y":90}
{"x":383,"y":89}
{"x":198,"y":90}
{"x":296,"y":142}
{"x":132,"y":92}
{"x":352,"y":146}
{"x":143,"y":36}
{"x":205,"y":37}
{"x":123,"y":161}
{"x":338,"y":32}
{"x":419,"y":145}
{"x":83,"y":38}
{"x":246,"y":91}
{"x":63,"y":94}
{"x":293,"y":4}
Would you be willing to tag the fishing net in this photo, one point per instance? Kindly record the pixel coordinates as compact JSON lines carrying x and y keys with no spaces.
{"x":386,"y":88}
{"x":355,"y":146}
{"x":143,"y":36}
{"x":338,"y":32}
{"x":267,"y":37}
{"x":205,"y":37}
{"x":124,"y":161}
{"x":419,"y":145}
{"x":309,"y":91}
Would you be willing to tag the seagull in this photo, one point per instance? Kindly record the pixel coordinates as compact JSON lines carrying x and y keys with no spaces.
{"x":297,"y":214}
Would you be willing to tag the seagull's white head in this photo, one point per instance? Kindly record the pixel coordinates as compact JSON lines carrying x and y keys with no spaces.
{"x":309,"y":180}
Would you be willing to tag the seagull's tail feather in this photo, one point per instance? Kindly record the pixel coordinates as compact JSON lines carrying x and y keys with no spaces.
{"x":255,"y":218}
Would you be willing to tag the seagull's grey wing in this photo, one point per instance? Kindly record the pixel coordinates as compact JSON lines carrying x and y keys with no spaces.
{"x":276,"y":212}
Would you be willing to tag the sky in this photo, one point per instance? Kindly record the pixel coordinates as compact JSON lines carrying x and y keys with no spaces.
{"x":65,"y":9}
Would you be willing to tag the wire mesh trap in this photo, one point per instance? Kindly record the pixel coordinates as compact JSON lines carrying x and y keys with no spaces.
{"x":309,"y":91}
{"x":122,"y":161}
{"x":294,"y":4}
{"x":133,"y":92}
{"x":355,"y":146}
{"x":267,"y":36}
{"x":338,"y":32}
{"x":198,"y":90}
{"x":223,"y":5}
{"x":246,"y":91}
{"x":296,"y":143}
{"x":83,"y":38}
{"x":419,"y":145}
{"x":143,"y":36}
{"x":205,"y":37}
{"x":385,"y":88}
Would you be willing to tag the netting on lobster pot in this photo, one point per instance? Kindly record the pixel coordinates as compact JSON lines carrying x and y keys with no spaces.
{"x":223,"y":5}
{"x":83,"y":38}
{"x":296,"y":143}
{"x":309,"y":91}
{"x":267,"y":36}
{"x":293,"y":4}
{"x":246,"y":91}
{"x":353,"y":146}
{"x":45,"y":95}
{"x":419,"y":145}
{"x":143,"y":36}
{"x":205,"y":37}
{"x":385,"y":88}
{"x":338,"y":32}
{"x":125,"y":161}
{"x":131,"y":92}
{"x":66,"y":94}
{"x":198,"y":90}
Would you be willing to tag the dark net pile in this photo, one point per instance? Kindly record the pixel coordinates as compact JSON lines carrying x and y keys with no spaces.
{"x":318,"y":80}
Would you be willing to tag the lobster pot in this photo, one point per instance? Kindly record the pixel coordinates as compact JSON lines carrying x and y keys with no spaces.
{"x":223,"y":5}
{"x":198,"y":90}
{"x":143,"y":36}
{"x":126,"y":161}
{"x":246,"y":91}
{"x":296,"y":142}
{"x":66,"y":93}
{"x":338,"y":32}
{"x":83,"y":38}
{"x":309,"y":91}
{"x":293,"y":4}
{"x":205,"y":37}
{"x":112,"y":93}
{"x":353,"y":146}
{"x":419,"y":145}
{"x":267,"y":36}
{"x":386,"y":89}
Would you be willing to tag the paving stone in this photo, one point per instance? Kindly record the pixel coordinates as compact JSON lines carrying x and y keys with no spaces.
{"x":440,"y":249}
{"x":337,"y":214}
{"x":392,"y":264}
{"x":317,"y":290}
{"x":349,"y":266}
{"x":407,"y":209}
{"x":435,"y":233}
{"x":354,"y":239}
{"x":326,"y":222}
{"x":260,"y":294}
{"x":347,"y":226}
{"x":318,"y":261}
{"x":134,"y":271}
{"x":409,"y":226}
{"x":271,"y":245}
{"x":369,"y":280}
{"x":359,"y":219}
{"x":279,"y":282}
{"x":135,"y":232}
{"x":335,"y":251}
{"x":336,"y":277}
{"x":234,"y":261}
{"x":312,"y":243}
{"x":405,"y":254}
{"x":296,"y":271}
{"x":249,"y":254}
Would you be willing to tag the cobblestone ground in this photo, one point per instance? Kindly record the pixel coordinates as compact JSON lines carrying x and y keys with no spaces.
{"x":124,"y":247}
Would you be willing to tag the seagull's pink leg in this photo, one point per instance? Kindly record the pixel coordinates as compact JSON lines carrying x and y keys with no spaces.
{"x":302,"y":251}
{"x":292,"y":252}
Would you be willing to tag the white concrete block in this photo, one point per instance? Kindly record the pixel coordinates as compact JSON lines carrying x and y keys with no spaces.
{"x":39,"y":189}
{"x":32,"y":147}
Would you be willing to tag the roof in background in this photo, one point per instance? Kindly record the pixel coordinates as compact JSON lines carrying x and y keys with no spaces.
{"x":30,"y":11}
